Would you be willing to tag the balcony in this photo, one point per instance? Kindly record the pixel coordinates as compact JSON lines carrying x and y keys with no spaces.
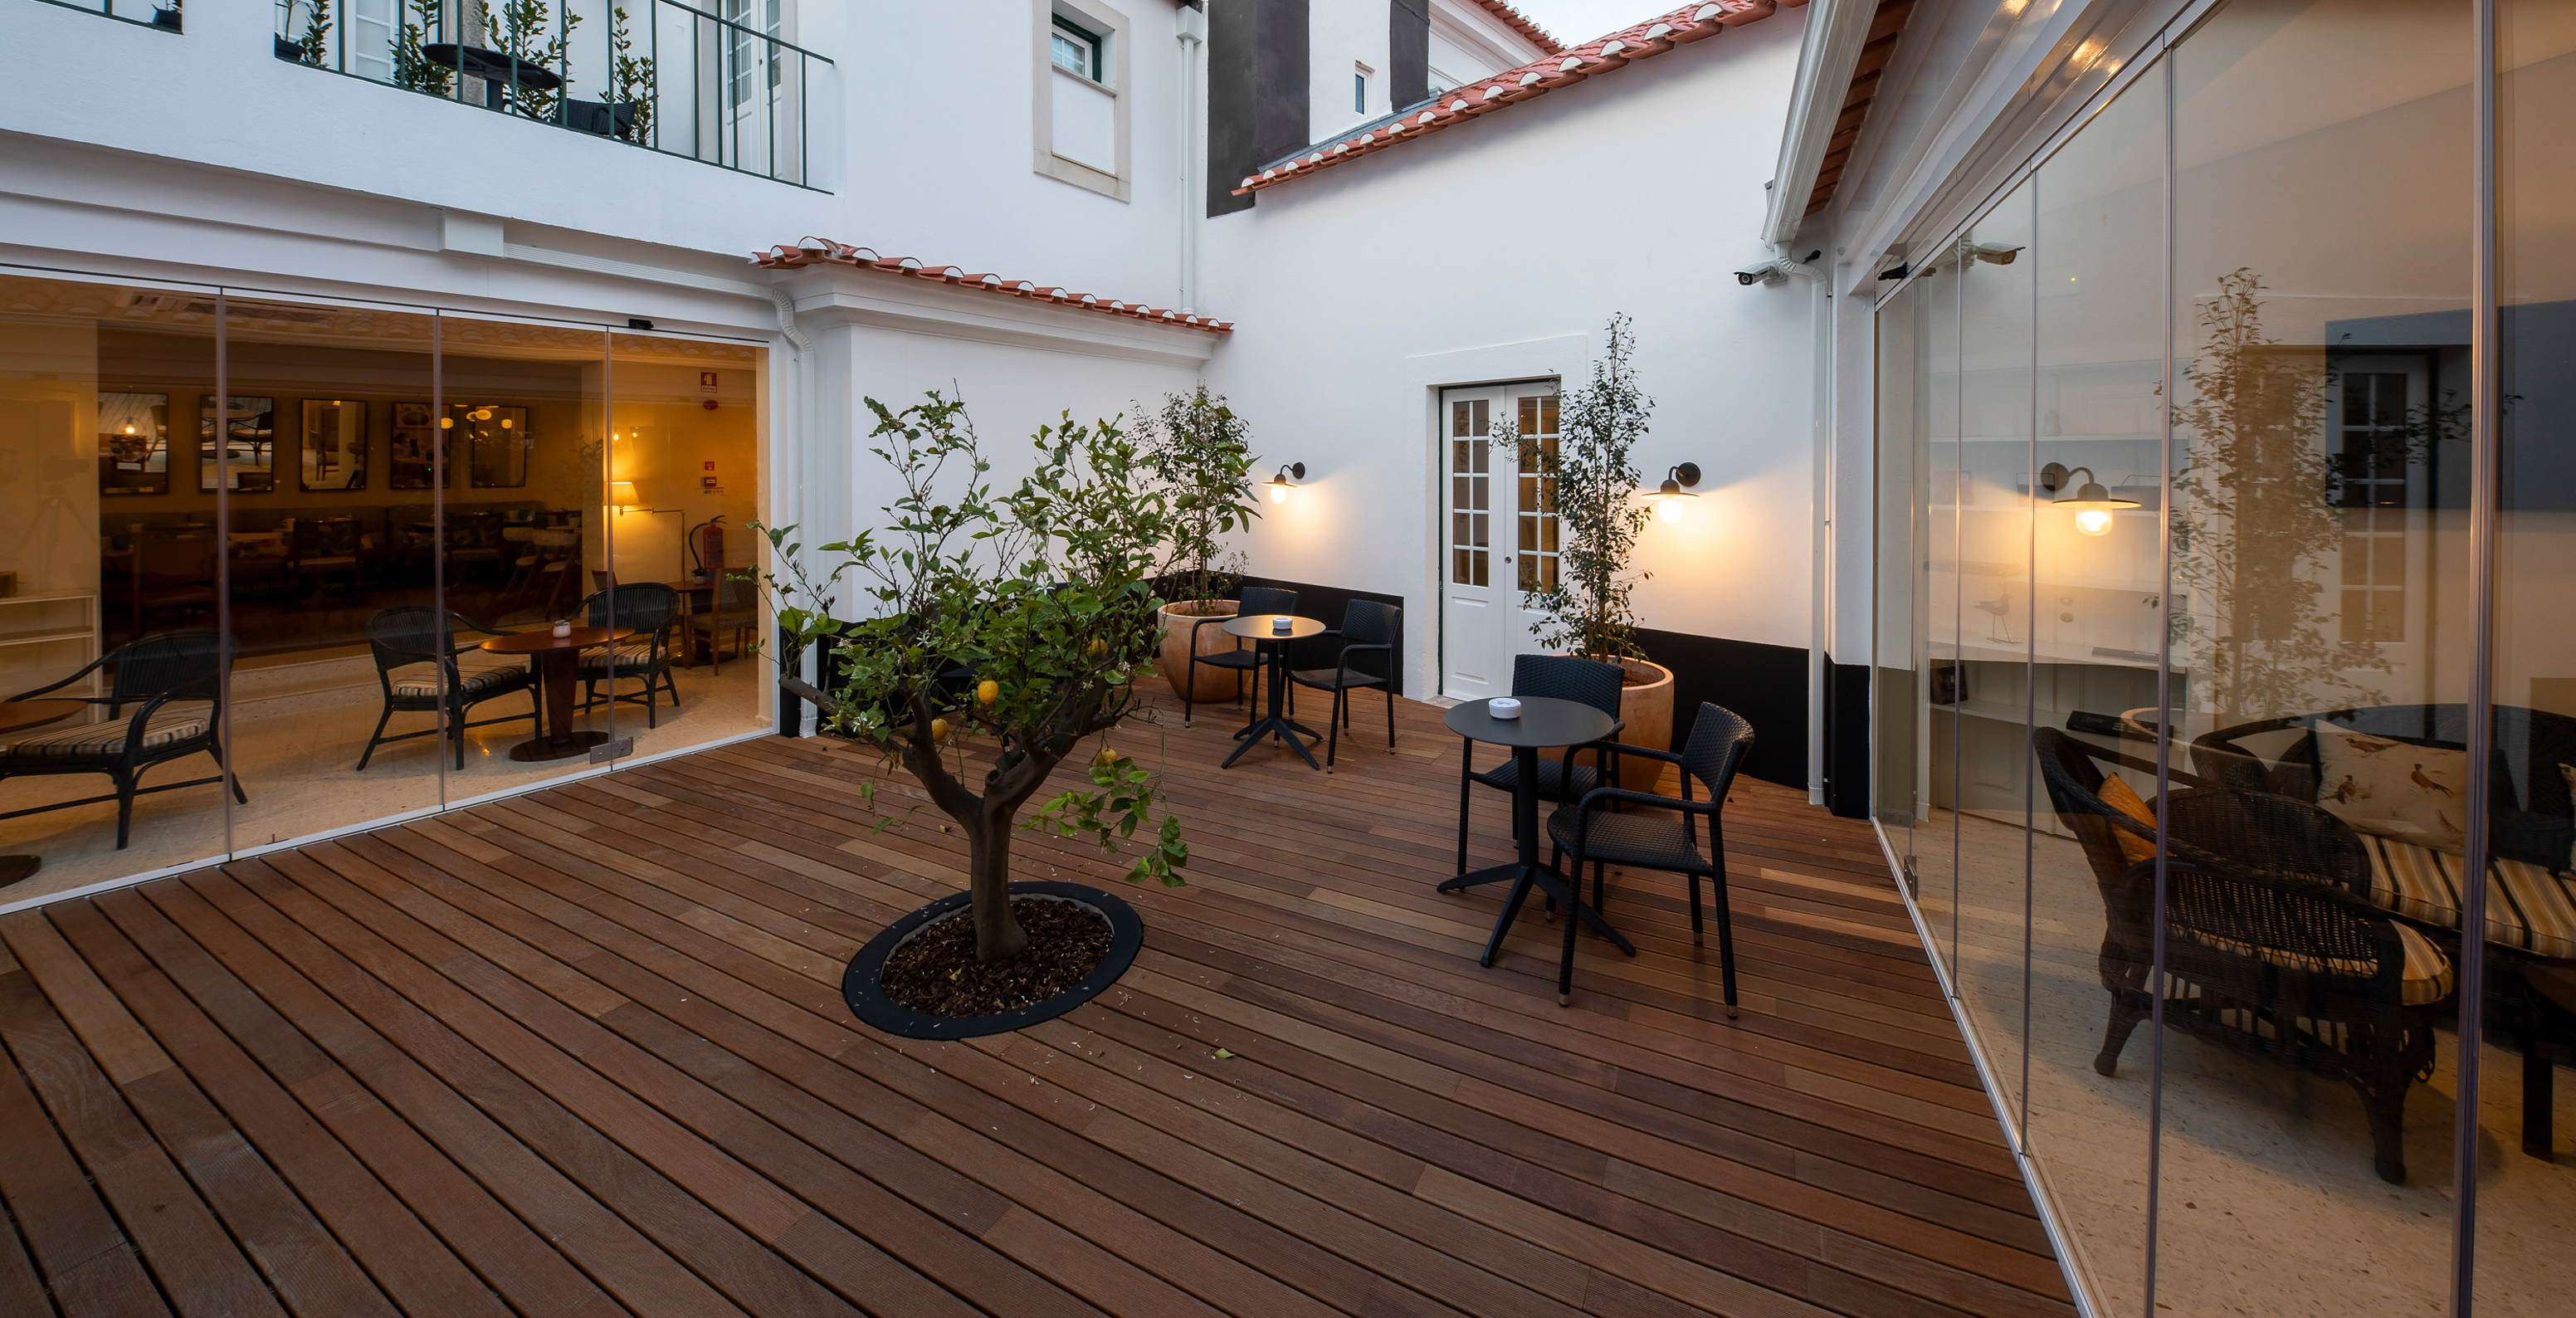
{"x":584,"y":1051}
{"x":721,"y":88}
{"x":163,"y":14}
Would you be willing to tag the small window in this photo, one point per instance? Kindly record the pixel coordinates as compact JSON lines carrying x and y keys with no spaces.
{"x":1359,"y":93}
{"x":1076,"y":51}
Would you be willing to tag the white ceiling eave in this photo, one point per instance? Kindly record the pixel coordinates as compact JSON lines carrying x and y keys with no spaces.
{"x":1836,"y":31}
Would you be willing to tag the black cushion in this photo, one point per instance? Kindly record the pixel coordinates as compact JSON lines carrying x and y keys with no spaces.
{"x":1645,"y":840}
{"x":1325,"y":679}
{"x":1554,"y":784}
{"x":1229,"y":659}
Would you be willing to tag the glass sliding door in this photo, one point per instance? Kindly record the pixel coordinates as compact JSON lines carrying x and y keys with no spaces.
{"x":110,"y":585}
{"x":330,"y":597}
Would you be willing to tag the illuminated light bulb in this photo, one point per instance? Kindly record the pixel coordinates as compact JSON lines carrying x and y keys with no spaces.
{"x":129,"y":430}
{"x":505,"y":423}
{"x":1279,"y":494}
{"x":1668,"y":510}
{"x":2093,"y":521}
{"x":447,"y":423}
{"x":1280,"y":484}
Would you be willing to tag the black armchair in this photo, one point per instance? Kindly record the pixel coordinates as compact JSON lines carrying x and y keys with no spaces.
{"x":1256,"y":599}
{"x":1588,"y":831}
{"x":422,"y":669}
{"x":1556,"y":677}
{"x":175,"y":682}
{"x":650,"y":609}
{"x":1372,"y":635}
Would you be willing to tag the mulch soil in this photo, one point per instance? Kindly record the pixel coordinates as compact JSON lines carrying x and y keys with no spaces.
{"x":935,"y":971}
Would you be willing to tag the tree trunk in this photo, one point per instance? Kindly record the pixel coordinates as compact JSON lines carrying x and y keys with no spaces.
{"x":998,"y":937}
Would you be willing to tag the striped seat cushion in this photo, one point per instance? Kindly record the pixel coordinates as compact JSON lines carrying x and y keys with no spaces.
{"x":420,"y":681}
{"x":2423,"y":980}
{"x":634,"y":653}
{"x":174,"y":722}
{"x":2528,"y":906}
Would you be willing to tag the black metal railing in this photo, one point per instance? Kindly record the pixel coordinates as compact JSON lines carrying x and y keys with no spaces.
{"x":719,"y":87}
{"x":163,"y":14}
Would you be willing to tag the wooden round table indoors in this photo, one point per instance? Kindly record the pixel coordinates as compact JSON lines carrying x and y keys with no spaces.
{"x":18,"y":716}
{"x":1543,"y":724}
{"x":555,"y":666}
{"x":1260,"y":628}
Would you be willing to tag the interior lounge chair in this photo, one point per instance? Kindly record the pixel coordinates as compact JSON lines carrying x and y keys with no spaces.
{"x":649,"y":609}
{"x":164,"y":703}
{"x":423,"y":670}
{"x":2272,"y":947}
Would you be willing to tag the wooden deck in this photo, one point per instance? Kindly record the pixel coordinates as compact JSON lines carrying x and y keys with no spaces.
{"x":583,"y":1052}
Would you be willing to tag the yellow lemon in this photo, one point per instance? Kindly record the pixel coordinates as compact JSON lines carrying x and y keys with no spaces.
{"x":1105,"y":758}
{"x":939,"y":729}
{"x":988,"y":691}
{"x":1099,"y":647}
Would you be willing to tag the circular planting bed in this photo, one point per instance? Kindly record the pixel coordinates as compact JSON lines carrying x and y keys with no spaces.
{"x":919,"y":978}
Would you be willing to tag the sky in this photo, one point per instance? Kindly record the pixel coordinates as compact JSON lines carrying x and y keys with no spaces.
{"x":1577,"y":21}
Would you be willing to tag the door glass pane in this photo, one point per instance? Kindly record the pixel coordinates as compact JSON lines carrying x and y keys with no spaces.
{"x":1470,"y":492}
{"x":2527,"y":1094}
{"x":523,"y":542}
{"x":1945,"y":620}
{"x":107,"y":537}
{"x":1986,"y":685}
{"x":332,"y":596}
{"x":2099,"y":318}
{"x":684,"y":482}
{"x":2322,"y":264}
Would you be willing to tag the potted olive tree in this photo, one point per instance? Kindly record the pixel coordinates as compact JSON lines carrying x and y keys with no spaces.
{"x":1586,"y":610}
{"x":1003,"y":635}
{"x":1199,"y":453}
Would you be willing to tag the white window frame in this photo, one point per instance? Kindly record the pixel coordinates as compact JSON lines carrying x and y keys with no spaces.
{"x":1111,"y":30}
{"x":1363,"y":84}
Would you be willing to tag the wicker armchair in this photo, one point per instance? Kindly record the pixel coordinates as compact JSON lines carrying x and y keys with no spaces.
{"x":165,"y":702}
{"x":421,"y":669}
{"x":2270,"y":945}
{"x":651,"y":610}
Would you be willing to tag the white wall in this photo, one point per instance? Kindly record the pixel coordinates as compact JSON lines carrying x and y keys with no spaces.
{"x":1340,"y":34}
{"x":1637,"y":192}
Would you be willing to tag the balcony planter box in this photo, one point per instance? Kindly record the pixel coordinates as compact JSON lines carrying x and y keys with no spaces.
{"x":1646,"y":707}
{"x":1173,"y":660}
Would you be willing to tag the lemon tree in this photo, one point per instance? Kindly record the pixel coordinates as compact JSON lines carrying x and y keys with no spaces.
{"x":1001,"y":635}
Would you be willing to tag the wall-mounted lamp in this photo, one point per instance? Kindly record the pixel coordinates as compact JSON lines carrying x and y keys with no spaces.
{"x":622,"y":496}
{"x":2090,"y":503}
{"x":1281,"y":484}
{"x":1668,"y":497}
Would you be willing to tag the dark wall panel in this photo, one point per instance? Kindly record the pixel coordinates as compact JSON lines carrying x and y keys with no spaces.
{"x":1767,"y":684}
{"x":1408,"y":45}
{"x":1257,"y":91}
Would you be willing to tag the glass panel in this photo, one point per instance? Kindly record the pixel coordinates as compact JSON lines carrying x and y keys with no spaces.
{"x":1987,"y":685}
{"x":1470,"y":460}
{"x":2099,"y":317}
{"x":2322,"y":248}
{"x":1936,"y":852}
{"x":684,"y":472}
{"x":103,"y":543}
{"x":1895,"y":735}
{"x":332,"y":597}
{"x":518,"y":558}
{"x":2526,"y":1094}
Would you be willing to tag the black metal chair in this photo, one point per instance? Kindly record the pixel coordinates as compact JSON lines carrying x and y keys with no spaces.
{"x":2271,"y":945}
{"x":1369,"y":628}
{"x":1554,"y":677}
{"x":650,"y":609}
{"x":1588,"y":831}
{"x":413,"y":651}
{"x":1255,"y":599}
{"x":176,"y":679}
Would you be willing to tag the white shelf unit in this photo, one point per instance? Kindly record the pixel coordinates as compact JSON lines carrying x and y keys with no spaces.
{"x":49,"y":618}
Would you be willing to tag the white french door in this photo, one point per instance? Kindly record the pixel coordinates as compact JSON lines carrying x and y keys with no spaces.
{"x":1498,"y":528}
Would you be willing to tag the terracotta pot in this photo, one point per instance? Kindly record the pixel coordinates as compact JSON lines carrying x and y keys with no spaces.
{"x":1174,"y":658}
{"x":1646,"y":707}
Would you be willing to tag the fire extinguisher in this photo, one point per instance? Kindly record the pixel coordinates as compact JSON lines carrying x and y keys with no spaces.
{"x":706,"y":549}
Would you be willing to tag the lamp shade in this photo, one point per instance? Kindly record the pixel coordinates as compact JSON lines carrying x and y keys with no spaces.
{"x":622,"y":494}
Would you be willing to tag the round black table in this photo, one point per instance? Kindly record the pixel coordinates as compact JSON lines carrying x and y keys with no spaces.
{"x":1543,"y":724}
{"x":1258,"y":628}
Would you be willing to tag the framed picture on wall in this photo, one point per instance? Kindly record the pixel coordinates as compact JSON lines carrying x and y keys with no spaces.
{"x":334,"y":448}
{"x":496,"y":444}
{"x":414,"y":461}
{"x":133,"y":443}
{"x":249,"y":428}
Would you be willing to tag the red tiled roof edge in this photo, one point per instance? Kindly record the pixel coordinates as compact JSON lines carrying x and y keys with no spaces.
{"x":1518,"y":22}
{"x":823,"y":251}
{"x":1691,"y":22}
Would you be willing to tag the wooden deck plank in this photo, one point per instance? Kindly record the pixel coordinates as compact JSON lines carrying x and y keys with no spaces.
{"x":583,"y":1051}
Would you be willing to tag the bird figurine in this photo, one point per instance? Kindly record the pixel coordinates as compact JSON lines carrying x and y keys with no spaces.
{"x":2000,"y":608}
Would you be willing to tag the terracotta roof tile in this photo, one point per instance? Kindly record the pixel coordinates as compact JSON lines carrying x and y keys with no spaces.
{"x":1561,"y":68}
{"x":1513,"y":19}
{"x":823,"y":251}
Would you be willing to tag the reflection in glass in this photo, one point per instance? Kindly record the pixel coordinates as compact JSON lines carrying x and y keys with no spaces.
{"x":133,"y":443}
{"x":419,"y":454}
{"x":335,"y":445}
{"x":248,"y":448}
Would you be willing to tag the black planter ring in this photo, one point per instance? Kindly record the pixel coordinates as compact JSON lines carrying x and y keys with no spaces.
{"x":860,"y":989}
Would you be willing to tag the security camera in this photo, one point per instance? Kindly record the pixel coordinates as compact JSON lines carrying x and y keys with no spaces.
{"x":1779,"y":270}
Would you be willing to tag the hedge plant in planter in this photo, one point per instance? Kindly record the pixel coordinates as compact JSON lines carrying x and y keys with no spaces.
{"x":1198,"y":452}
{"x":1587,"y":610}
{"x":1004,"y":634}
